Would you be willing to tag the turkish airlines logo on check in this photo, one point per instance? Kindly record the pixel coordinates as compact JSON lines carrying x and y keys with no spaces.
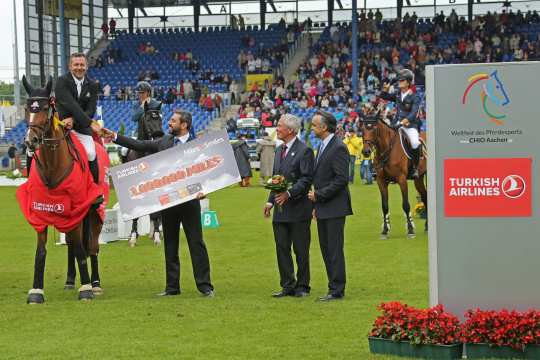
{"x":487,"y":187}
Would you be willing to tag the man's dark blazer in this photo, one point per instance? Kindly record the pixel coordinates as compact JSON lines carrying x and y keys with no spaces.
{"x":330,"y":180}
{"x":148,"y":146}
{"x":82,"y":108}
{"x":297,"y":167}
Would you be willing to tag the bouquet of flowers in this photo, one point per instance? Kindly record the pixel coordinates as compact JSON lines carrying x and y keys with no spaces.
{"x":278,"y":184}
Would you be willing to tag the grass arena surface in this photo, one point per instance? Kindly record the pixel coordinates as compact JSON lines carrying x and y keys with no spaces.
{"x":242,"y":321}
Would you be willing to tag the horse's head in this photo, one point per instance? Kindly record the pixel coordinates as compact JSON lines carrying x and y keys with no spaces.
{"x":370,"y":135}
{"x":495,"y":90}
{"x":39,"y":108}
{"x":152,"y":122}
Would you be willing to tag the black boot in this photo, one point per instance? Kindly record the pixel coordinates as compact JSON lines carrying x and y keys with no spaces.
{"x":415,"y":161}
{"x":93,"y":165}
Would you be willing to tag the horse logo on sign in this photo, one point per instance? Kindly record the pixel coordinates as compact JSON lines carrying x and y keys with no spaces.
{"x":491,"y":88}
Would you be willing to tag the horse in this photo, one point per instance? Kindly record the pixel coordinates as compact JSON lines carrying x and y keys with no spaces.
{"x":150,"y":127}
{"x":54,"y":162}
{"x":392,"y":165}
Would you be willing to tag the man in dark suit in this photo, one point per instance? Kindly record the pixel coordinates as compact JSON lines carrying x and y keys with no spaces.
{"x":188,"y":214}
{"x":76,"y":100}
{"x":292,"y":218}
{"x":332,"y":201}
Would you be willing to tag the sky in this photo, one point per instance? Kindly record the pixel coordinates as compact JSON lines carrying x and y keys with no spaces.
{"x":7,"y":33}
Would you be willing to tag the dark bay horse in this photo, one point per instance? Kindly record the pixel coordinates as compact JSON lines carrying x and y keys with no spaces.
{"x":150,"y":127}
{"x":54,"y":162}
{"x":392,"y":165}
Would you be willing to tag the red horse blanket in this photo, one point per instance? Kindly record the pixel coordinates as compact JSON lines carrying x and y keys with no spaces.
{"x":65,"y":206}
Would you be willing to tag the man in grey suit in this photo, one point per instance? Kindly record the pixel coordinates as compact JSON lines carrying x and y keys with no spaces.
{"x":292,"y":217}
{"x":332,"y":201}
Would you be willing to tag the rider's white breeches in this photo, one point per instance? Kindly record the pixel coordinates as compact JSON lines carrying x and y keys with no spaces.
{"x":88,"y":142}
{"x":414,"y":137}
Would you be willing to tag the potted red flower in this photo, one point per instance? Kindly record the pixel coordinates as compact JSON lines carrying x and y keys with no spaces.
{"x":422,"y":333}
{"x":502,"y":334}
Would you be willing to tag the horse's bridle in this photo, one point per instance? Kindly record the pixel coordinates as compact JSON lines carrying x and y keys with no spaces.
{"x":51,"y":142}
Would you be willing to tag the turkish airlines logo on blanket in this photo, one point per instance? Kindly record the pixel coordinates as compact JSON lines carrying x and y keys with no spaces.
{"x":45,"y":207}
{"x":488,"y":187}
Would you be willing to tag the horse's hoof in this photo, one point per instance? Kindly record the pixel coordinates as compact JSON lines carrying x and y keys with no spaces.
{"x":69,"y":286}
{"x":85,"y":293}
{"x":384,"y":237}
{"x":97,"y":290}
{"x":411,"y":235}
{"x":35,"y":296}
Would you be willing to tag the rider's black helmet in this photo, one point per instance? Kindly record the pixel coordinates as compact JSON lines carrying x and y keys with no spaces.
{"x":143,"y":86}
{"x":407,"y":75}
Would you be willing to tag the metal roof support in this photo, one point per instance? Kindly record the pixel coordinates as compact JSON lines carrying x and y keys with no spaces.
{"x":330,"y":12}
{"x":263,"y":14}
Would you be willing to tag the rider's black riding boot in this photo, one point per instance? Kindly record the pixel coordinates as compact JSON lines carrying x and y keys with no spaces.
{"x":416,"y":161}
{"x":93,"y":165}
{"x":94,"y":170}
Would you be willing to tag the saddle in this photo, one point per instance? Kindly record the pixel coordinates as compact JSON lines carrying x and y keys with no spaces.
{"x":407,"y":149}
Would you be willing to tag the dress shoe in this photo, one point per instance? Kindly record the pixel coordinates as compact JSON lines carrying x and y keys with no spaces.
{"x":301,"y":293}
{"x":169,"y":293}
{"x":283,"y":293}
{"x":330,"y":297}
{"x":208,"y":293}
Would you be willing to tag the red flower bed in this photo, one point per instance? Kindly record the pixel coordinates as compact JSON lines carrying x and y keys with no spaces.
{"x":400,"y":322}
{"x":502,"y":328}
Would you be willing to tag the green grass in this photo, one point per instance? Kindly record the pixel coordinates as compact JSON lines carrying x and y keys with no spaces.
{"x":241,"y":322}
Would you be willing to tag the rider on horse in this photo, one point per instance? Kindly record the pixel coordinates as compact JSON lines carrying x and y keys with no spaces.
{"x":144,"y":92}
{"x":407,"y":104}
{"x":76,"y":101}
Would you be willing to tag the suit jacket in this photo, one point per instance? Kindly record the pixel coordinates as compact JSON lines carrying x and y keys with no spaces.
{"x":406,"y":108}
{"x":69,"y":104}
{"x":148,"y":146}
{"x":331,"y":181}
{"x":297,"y":167}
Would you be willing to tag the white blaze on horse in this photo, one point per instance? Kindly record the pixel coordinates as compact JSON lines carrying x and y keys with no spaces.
{"x":61,"y":192}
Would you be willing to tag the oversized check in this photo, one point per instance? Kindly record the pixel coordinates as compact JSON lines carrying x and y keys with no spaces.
{"x":175,"y":175}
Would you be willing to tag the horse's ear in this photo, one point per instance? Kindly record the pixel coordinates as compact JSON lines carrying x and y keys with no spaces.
{"x":49,"y":85}
{"x":29,"y":89}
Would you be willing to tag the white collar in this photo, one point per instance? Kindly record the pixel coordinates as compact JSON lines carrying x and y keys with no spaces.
{"x":327,"y":140}
{"x":183,"y":139}
{"x":77,"y":81}
{"x":290,"y":144}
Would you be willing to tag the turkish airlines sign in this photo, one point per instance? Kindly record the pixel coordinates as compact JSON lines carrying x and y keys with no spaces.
{"x":488,"y":187}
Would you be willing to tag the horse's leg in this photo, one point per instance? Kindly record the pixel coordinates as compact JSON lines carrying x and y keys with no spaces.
{"x":36,"y":294}
{"x":71,"y":271}
{"x":76,"y":239}
{"x":154,"y":220}
{"x":95,"y":230}
{"x":134,"y":233}
{"x":383,"y":189}
{"x":421,"y":188}
{"x":406,"y":206}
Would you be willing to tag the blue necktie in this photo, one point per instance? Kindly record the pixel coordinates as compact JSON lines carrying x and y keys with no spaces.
{"x":176,"y":141}
{"x":320,"y":151}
